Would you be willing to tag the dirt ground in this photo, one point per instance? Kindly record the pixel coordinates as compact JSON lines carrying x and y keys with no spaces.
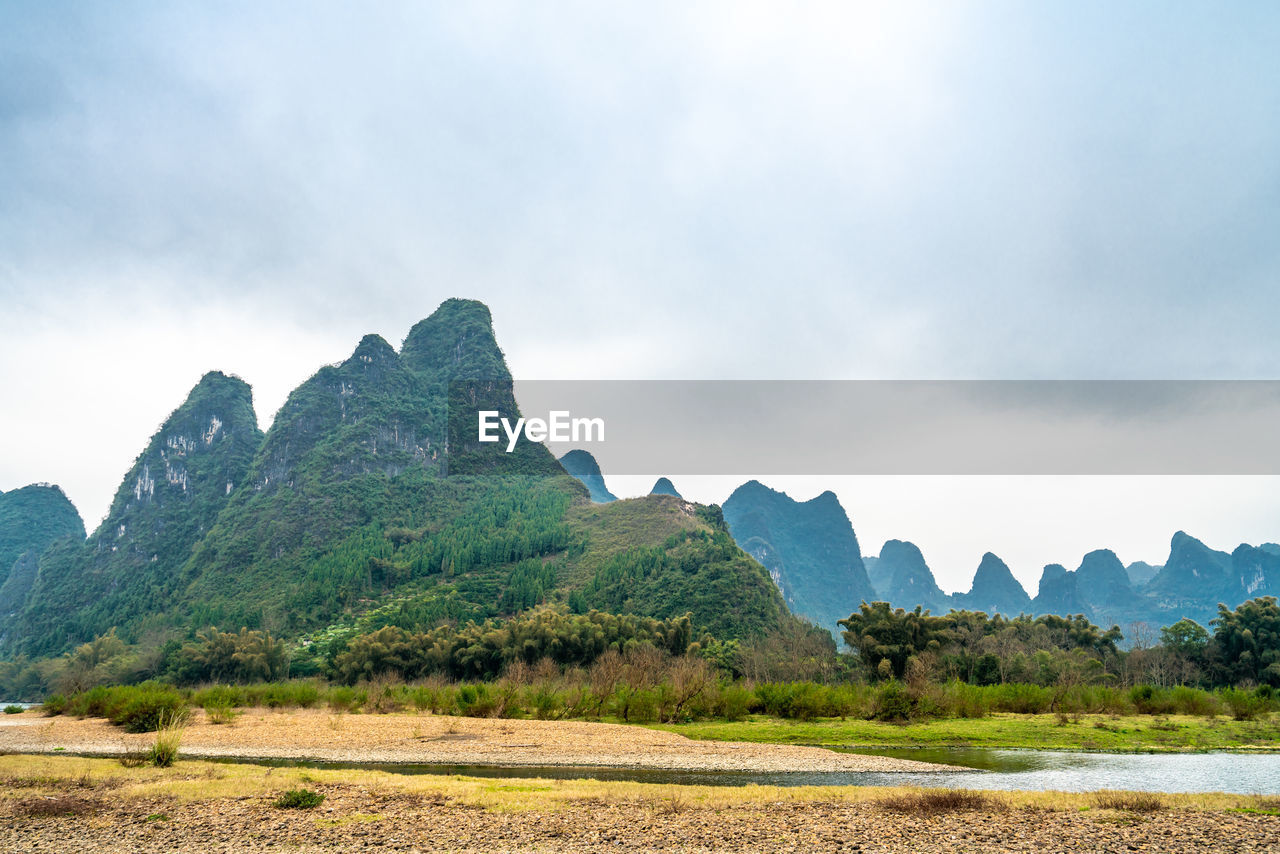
{"x":437,"y":739}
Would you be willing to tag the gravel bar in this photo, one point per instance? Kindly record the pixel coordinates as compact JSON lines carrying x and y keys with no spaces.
{"x":320,"y":736}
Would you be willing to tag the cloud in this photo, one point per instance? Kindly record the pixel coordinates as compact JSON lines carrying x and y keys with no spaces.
{"x":865,"y":190}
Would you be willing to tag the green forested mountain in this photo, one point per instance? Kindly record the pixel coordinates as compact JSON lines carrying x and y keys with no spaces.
{"x":664,"y":486}
{"x":584,"y":467}
{"x":909,"y":580}
{"x":994,"y":590}
{"x":129,"y":568}
{"x":809,"y":549}
{"x":31,"y":519}
{"x":1059,"y":593}
{"x":370,"y":503}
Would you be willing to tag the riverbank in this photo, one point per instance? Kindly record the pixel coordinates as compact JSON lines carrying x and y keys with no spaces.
{"x":1130,"y":733}
{"x":315,"y":735}
{"x":71,"y":804}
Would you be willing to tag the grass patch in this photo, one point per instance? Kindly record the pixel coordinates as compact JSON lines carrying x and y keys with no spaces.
{"x":210,"y":782}
{"x":299,"y":799}
{"x":1142,"y":802}
{"x":939,"y":801}
{"x":13,"y":710}
{"x":1116,"y":734}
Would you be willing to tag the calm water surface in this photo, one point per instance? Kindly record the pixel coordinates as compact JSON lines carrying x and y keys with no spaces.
{"x":1030,"y":770}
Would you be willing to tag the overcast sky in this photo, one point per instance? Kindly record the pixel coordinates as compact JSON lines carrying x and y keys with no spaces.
{"x":956,"y":190}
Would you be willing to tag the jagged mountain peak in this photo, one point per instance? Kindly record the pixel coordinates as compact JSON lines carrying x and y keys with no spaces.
{"x":901,"y":548}
{"x":168,"y":500}
{"x":908,"y":579}
{"x":1102,"y":567}
{"x":1059,"y":593}
{"x":583,"y":466}
{"x":995,"y":590}
{"x":31,"y":519}
{"x":664,"y":486}
{"x":809,"y":548}
{"x":1052,"y":572}
{"x":456,"y":342}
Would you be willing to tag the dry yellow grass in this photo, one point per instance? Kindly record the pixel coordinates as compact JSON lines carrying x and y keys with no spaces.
{"x":21,"y":775}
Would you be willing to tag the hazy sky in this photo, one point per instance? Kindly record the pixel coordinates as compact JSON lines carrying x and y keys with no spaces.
{"x":954,"y":190}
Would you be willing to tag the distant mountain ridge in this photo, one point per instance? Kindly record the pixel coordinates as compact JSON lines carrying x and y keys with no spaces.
{"x":664,"y":486}
{"x":584,"y":467}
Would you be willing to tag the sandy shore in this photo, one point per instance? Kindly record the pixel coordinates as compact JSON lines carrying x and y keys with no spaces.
{"x":432,"y":739}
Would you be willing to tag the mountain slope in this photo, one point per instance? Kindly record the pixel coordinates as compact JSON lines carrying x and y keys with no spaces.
{"x":809,"y":549}
{"x":584,"y":467}
{"x":994,"y":590}
{"x":910,"y":582}
{"x":357,"y":451}
{"x":1059,"y":593}
{"x":664,"y":486}
{"x":128,"y":569}
{"x":31,"y":519}
{"x":1103,"y":582}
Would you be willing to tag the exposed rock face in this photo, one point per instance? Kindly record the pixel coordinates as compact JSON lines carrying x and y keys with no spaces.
{"x":663,"y":486}
{"x":910,"y":582}
{"x":584,"y":467}
{"x":1254,"y":572}
{"x":808,"y":547}
{"x":169,"y":499}
{"x":995,"y":590}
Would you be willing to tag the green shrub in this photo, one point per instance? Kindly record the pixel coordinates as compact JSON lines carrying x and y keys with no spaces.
{"x":346,"y":699}
{"x":892,"y":702}
{"x":220,"y":713}
{"x":146,"y":708}
{"x":965,"y":701}
{"x":54,"y":704}
{"x":476,"y":700}
{"x":298,"y":695}
{"x":1149,"y":700}
{"x":1244,"y":705}
{"x":168,"y":738}
{"x":299,"y":799}
{"x":732,"y":703}
{"x":1020,"y":698}
{"x":1193,"y":701}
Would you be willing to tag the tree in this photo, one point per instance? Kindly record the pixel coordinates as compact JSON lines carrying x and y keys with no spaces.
{"x":878,"y":633}
{"x":1246,"y":643}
